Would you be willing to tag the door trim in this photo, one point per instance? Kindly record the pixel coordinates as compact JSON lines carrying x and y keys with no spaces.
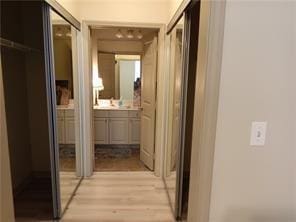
{"x":87,"y":92}
{"x":51,"y":104}
{"x":60,"y":10}
{"x":209,"y":60}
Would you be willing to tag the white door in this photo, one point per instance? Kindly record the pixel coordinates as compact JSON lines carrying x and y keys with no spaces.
{"x":101,"y":130}
{"x":118,"y":130}
{"x":148,"y":102}
{"x":177,"y":101}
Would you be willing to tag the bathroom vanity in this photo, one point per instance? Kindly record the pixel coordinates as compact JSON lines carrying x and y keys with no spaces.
{"x":117,"y":125}
{"x":66,"y":124}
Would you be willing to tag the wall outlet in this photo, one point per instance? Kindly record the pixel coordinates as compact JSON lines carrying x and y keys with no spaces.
{"x":258,"y":133}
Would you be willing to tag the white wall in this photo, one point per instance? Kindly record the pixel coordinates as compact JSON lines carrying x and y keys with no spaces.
{"x":147,"y":11}
{"x":294,"y":110}
{"x":120,"y":47}
{"x":173,"y":6}
{"x":256,"y":184}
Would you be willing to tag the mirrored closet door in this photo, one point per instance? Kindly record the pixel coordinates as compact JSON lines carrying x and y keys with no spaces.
{"x":183,"y":39}
{"x":175,"y":108}
{"x":65,"y":75}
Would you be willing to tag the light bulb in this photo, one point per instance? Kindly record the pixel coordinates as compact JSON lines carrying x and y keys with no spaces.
{"x":119,"y":34}
{"x":139,"y":35}
{"x":130,"y":34}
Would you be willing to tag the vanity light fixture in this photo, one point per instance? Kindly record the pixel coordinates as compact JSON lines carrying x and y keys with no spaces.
{"x":68,"y":34}
{"x":139,"y":35}
{"x":119,"y":34}
{"x":59,"y":33}
{"x":130,"y":34}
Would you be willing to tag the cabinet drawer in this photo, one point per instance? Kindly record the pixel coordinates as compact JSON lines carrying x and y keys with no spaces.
{"x":69,"y":113}
{"x":100,"y":113}
{"x":60,"y":113}
{"x":118,"y":113}
{"x":134,"y":114}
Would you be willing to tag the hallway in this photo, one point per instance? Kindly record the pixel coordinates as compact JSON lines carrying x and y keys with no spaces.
{"x":120,"y":197}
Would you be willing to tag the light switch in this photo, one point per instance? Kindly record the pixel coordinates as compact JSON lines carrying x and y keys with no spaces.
{"x":258,"y":133}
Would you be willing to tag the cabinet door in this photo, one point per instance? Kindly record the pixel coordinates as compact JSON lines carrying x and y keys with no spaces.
{"x":118,"y":130}
{"x":101,"y":130}
{"x":61,"y":130}
{"x":70,"y":130}
{"x":134,"y":131}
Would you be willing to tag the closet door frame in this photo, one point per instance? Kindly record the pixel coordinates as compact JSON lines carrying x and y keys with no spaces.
{"x":186,"y":11}
{"x":52,"y":114}
{"x":51,"y":97}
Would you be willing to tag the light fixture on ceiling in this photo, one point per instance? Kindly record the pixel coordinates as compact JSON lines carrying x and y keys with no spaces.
{"x":68,"y":34}
{"x":119,"y":34}
{"x":130,"y":34}
{"x":59,"y":33}
{"x":139,"y":35}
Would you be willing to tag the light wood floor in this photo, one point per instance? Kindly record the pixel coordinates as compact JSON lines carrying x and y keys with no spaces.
{"x":120,"y":197}
{"x":68,"y":182}
{"x":171,"y":186}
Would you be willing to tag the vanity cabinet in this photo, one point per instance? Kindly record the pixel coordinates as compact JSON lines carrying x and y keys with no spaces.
{"x":61,"y":130}
{"x":66,"y":126}
{"x":117,"y":127}
{"x":134,"y":131}
{"x":118,"y":130}
{"x":101,"y":134}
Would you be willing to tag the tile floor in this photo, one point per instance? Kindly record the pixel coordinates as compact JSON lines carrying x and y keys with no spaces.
{"x":130,"y":163}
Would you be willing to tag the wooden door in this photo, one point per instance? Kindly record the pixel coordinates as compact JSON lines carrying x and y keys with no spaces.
{"x":148,"y":103}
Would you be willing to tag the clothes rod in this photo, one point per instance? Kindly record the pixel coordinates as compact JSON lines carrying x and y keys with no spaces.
{"x":15,"y":45}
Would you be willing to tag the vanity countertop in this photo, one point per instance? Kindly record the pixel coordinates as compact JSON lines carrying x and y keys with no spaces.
{"x":71,"y":107}
{"x":65,"y":107}
{"x":132,"y":108}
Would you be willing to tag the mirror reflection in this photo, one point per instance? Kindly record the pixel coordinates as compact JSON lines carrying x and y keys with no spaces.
{"x":173,"y":148}
{"x":67,"y":126}
{"x":121,"y":76}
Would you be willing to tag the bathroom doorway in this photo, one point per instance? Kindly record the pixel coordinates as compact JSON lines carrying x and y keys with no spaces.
{"x":124,"y":72}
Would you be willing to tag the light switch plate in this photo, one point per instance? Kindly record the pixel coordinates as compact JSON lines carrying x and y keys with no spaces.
{"x":258,"y":133}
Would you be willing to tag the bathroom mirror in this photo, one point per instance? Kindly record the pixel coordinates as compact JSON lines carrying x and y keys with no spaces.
{"x":174,"y":112}
{"x":67,"y":112}
{"x":121,"y":76}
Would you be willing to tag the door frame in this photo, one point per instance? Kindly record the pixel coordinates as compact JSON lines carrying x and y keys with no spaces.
{"x":86,"y":90}
{"x":208,"y":71}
